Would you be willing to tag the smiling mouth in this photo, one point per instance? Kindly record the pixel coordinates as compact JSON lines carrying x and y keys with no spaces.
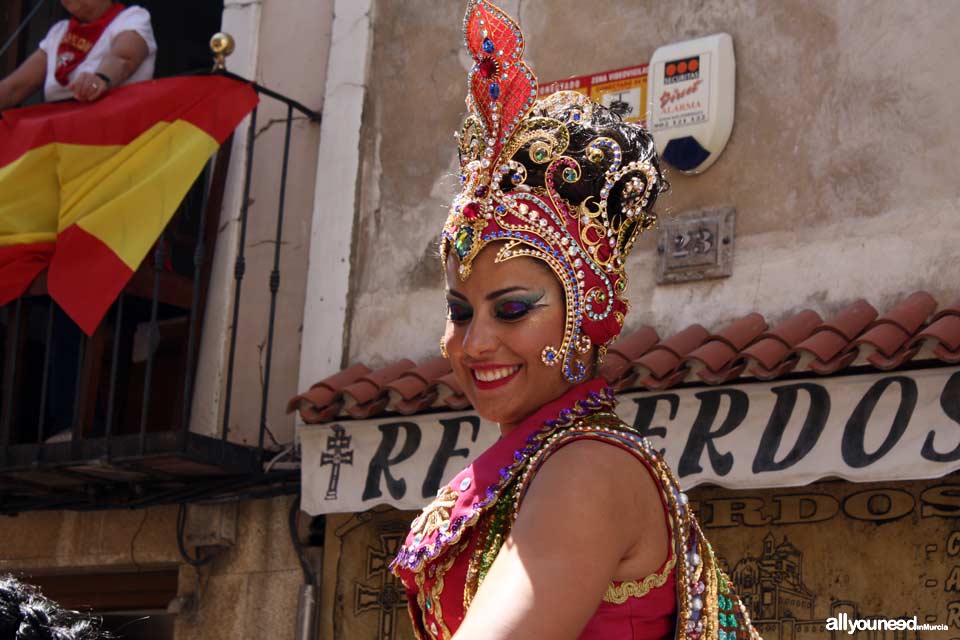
{"x":494,"y":377}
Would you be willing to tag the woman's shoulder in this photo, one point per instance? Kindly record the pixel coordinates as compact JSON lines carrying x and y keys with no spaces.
{"x":137,"y":19}
{"x":607,"y":451}
{"x":55,"y":34}
{"x":132,"y":16}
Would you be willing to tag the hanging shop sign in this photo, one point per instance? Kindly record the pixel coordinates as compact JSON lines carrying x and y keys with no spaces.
{"x":879,"y":427}
{"x":624,"y":91}
{"x":809,"y":563}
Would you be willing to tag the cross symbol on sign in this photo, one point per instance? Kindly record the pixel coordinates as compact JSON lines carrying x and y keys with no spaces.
{"x":389,"y":595}
{"x":337,"y":454}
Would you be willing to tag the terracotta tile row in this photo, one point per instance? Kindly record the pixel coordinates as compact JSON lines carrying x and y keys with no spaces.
{"x":745,"y":349}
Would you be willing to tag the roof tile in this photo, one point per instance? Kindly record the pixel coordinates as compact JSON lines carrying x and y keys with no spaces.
{"x":885,"y":337}
{"x":451,"y":393}
{"x":324,"y":399}
{"x":912,"y":312}
{"x":368,"y":395}
{"x":852,"y":320}
{"x":665,"y":357}
{"x":617,"y":368}
{"x":723,"y":348}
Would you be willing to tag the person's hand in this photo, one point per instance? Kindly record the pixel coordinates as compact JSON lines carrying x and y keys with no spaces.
{"x":87,"y":87}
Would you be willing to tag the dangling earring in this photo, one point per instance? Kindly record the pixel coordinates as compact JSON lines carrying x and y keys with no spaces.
{"x":443,"y":347}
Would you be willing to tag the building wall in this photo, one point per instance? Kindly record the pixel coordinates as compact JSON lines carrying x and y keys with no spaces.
{"x":249,"y":591}
{"x":838,"y":165}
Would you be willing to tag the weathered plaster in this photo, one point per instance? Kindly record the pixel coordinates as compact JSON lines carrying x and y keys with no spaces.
{"x":839,"y":165}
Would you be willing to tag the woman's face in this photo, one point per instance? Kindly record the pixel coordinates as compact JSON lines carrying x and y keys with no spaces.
{"x":499,"y":321}
{"x":86,"y":10}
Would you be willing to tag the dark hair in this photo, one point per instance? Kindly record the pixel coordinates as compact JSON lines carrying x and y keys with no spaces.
{"x":636,"y":144}
{"x":25,"y":614}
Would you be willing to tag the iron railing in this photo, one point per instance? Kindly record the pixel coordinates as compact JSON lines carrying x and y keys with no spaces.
{"x":117,"y":455}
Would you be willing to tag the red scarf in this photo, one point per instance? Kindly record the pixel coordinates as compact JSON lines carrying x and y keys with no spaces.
{"x":79,"y":40}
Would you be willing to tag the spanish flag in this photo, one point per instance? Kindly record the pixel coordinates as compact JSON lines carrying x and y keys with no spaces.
{"x":86,"y":189}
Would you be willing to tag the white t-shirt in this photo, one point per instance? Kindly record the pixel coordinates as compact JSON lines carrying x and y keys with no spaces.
{"x":136,"y":19}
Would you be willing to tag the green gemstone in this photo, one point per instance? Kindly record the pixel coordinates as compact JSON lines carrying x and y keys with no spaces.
{"x":540,"y":154}
{"x":569,"y":174}
{"x":429,"y":604}
{"x":464,"y":241}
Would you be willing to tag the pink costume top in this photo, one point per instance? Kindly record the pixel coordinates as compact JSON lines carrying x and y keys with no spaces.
{"x":453,"y":542}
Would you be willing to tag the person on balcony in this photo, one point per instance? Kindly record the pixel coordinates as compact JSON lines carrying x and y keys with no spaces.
{"x":103,"y":45}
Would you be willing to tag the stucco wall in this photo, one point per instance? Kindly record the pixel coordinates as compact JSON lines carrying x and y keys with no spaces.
{"x":840,"y":164}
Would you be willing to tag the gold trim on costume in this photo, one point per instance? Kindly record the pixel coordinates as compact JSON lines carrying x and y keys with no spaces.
{"x":619,"y":593}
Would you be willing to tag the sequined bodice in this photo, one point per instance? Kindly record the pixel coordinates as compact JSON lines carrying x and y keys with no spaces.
{"x":453,"y":542}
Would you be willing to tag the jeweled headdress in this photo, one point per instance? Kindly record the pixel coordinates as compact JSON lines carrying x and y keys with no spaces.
{"x":561,"y":179}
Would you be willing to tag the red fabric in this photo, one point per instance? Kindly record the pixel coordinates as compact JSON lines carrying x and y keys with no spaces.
{"x":79,"y":40}
{"x":19,"y":265}
{"x":212,"y":103}
{"x":86,"y":304}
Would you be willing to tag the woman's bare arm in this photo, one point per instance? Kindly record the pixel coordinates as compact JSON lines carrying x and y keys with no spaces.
{"x":575,"y":525}
{"x":25,"y":81}
{"x":127,"y":53}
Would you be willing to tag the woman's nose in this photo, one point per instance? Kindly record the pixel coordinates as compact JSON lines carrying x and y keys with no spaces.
{"x":480,"y":337}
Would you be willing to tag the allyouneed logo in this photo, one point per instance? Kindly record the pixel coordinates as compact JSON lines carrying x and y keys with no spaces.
{"x":844,"y":622}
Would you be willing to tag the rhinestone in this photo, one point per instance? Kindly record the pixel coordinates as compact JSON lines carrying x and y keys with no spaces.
{"x":487,"y":68}
{"x":463,"y":242}
{"x":465,"y":484}
{"x":488,"y":46}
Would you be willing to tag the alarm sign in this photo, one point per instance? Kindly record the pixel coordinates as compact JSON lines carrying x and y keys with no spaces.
{"x":690,"y":101}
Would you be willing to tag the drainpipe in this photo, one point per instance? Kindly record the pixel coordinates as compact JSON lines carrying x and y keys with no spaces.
{"x":308,"y":604}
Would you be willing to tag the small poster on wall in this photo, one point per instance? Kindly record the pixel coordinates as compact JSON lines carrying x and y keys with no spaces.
{"x":624,"y":91}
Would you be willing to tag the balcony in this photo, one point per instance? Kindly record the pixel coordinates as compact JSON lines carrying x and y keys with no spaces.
{"x":107,"y":420}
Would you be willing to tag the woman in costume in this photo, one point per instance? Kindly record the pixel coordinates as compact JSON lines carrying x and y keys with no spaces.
{"x":570,"y":525}
{"x":103,"y":45}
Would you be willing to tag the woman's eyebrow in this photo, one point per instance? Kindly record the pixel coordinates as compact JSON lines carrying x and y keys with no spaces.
{"x":500,"y":292}
{"x":490,"y":296}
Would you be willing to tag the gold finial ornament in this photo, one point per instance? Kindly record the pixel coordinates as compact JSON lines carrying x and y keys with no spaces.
{"x":222,"y":45}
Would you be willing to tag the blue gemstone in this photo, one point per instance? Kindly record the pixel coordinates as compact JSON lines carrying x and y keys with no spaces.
{"x":576,"y":116}
{"x":494,"y":90}
{"x":501,"y":208}
{"x":488,"y":45}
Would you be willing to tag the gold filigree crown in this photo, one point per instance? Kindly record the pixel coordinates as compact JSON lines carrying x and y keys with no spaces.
{"x":561,"y":179}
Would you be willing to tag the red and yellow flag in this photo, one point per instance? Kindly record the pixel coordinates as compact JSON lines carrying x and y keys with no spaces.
{"x":86,"y":189}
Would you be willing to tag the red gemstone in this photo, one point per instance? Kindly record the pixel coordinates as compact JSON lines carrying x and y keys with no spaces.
{"x":471,"y":211}
{"x":488,"y":68}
